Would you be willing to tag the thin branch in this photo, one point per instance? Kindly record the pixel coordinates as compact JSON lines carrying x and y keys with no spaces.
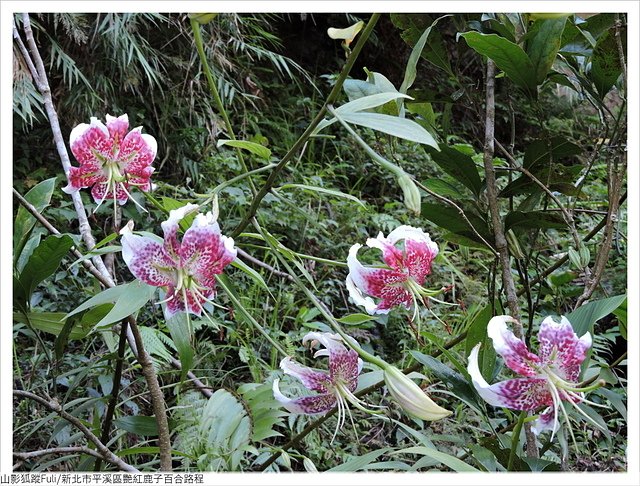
{"x":45,"y":91}
{"x":500,"y":241}
{"x":115,"y":388}
{"x":264,"y":265}
{"x":133,"y":334}
{"x":335,"y":91}
{"x":568,"y":217}
{"x":54,"y":406}
{"x":25,"y":456}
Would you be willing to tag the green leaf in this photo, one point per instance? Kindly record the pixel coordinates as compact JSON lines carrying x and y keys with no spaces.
{"x":458,"y":165}
{"x":543,"y":47}
{"x":42,"y":263}
{"x":443,"y":188}
{"x":448,"y":460}
{"x":458,"y":384}
{"x":137,"y":295}
{"x":138,"y":424}
{"x":534,"y":220}
{"x":146,"y":450}
{"x":266,"y":412}
{"x":392,"y":125}
{"x":182,"y":335}
{"x":355,"y":319}
{"x":322,"y":190}
{"x":541,"y":151}
{"x":109,"y":295}
{"x":255,"y":276}
{"x":40,"y":197}
{"x":508,"y":56}
{"x":413,"y":26}
{"x":450,"y":219}
{"x":411,"y":69}
{"x":605,"y":62}
{"x":584,"y":317}
{"x":360,"y":462}
{"x":253,"y":147}
{"x":621,"y":314}
{"x":477,"y":333}
{"x":53,"y":323}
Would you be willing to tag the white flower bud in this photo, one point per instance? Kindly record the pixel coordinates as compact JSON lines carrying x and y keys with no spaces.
{"x":411,"y":397}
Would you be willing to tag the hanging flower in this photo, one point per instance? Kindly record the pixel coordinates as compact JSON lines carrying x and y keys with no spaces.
{"x":112,"y":159}
{"x":334,"y":387}
{"x":550,"y":378}
{"x":187,"y":269}
{"x":411,"y":397}
{"x":399,"y":281}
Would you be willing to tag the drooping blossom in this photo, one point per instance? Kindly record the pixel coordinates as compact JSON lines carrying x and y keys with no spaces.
{"x":399,"y":279}
{"x":186,"y":269}
{"x":112,"y":159}
{"x":333,"y":387}
{"x":411,"y":397}
{"x":550,"y":378}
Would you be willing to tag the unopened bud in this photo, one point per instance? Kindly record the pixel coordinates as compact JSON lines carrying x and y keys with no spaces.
{"x":203,"y":18}
{"x":412,"y":199}
{"x":411,"y":397}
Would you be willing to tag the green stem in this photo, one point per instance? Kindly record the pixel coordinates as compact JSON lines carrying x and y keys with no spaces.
{"x":333,"y":95}
{"x":515,"y":439}
{"x":197,"y":37}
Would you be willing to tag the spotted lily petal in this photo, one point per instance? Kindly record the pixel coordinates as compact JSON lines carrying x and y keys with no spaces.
{"x":548,"y":420}
{"x":518,"y":393}
{"x":311,"y":405}
{"x":560,"y":347}
{"x":204,"y":251}
{"x":146,"y":259}
{"x":514,"y":352}
{"x":310,"y":378}
{"x":384,"y":284}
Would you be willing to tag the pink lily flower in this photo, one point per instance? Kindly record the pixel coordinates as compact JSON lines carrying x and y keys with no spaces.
{"x":187,"y":269}
{"x":112,"y":159}
{"x":550,"y":378}
{"x":333,"y":387}
{"x":399,"y":280}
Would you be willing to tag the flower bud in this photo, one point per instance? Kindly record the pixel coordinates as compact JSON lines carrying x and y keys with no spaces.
{"x":203,"y":18}
{"x":411,"y":397}
{"x":411,"y":193}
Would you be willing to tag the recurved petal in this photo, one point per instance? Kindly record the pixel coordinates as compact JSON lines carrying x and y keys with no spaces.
{"x":84,"y":176}
{"x":118,"y":127}
{"x":204,"y":251}
{"x":310,"y":378}
{"x":146,"y":259}
{"x":560,"y":347}
{"x":514,"y":352}
{"x":311,"y":405}
{"x":419,"y":256}
{"x":391,"y":255}
{"x":137,"y":151}
{"x":546,"y":421}
{"x":91,"y":143}
{"x":170,"y":229}
{"x":384,"y":284}
{"x":518,"y":393}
